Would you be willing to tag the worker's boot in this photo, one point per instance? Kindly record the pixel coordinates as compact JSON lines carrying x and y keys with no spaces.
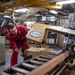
{"x":27,"y":57}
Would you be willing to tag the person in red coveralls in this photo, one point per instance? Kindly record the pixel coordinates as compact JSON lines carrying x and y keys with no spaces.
{"x":17,"y":38}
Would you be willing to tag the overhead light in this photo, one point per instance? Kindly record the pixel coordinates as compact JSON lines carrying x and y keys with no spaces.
{"x":6,"y":16}
{"x":65,"y":2}
{"x":21,"y":10}
{"x":53,"y":11}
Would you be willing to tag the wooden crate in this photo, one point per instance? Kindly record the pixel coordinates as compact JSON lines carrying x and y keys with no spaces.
{"x":35,"y":52}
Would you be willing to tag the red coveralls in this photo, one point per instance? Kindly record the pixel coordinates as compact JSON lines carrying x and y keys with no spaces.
{"x":17,"y":41}
{"x":4,"y":31}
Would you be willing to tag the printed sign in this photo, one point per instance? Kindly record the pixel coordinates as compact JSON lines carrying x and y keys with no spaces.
{"x":35,"y":34}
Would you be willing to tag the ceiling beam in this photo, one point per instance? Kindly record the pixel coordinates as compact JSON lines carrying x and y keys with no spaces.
{"x":23,"y":4}
{"x":50,"y":6}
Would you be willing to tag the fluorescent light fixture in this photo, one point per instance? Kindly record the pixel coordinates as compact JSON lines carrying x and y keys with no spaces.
{"x":53,"y":11}
{"x":23,"y":10}
{"x":7,"y":16}
{"x":65,"y":2}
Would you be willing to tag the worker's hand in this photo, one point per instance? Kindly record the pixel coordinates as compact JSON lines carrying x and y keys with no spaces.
{"x":20,"y":53}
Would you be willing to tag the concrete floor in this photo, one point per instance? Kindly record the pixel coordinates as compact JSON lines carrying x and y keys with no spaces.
{"x":7,"y":64}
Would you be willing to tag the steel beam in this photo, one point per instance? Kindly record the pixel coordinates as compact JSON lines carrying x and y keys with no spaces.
{"x":46,"y":6}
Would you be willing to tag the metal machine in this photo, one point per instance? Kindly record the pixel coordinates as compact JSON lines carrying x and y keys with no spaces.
{"x":3,"y":23}
{"x":2,"y":50}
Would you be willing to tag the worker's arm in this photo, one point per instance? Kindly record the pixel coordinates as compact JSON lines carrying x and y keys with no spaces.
{"x":14,"y":46}
{"x":12,"y":43}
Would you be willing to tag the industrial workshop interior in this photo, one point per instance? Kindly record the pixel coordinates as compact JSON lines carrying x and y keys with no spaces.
{"x":37,"y":37}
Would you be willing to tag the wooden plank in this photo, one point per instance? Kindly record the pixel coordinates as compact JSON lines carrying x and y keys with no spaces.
{"x":29,"y":66}
{"x":36,"y":62}
{"x":3,"y":73}
{"x":42,"y":59}
{"x":19,"y":70}
{"x":42,"y":70}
